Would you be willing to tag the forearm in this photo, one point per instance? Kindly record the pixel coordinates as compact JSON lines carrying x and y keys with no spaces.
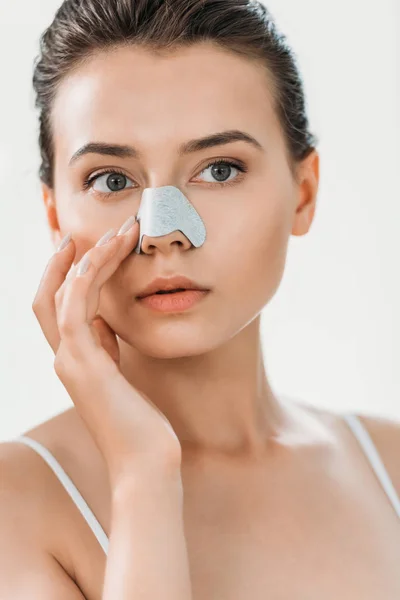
{"x":147,"y":557}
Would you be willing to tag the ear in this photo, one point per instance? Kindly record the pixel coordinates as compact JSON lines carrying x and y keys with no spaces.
{"x":307,"y":190}
{"x":51,"y":214}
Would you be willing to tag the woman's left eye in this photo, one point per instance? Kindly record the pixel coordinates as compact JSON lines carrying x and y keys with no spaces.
{"x":221,"y":169}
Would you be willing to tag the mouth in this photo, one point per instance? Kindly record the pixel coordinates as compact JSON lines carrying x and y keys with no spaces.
{"x":173,"y":301}
{"x":174,"y":294}
{"x":172,"y":291}
{"x":177,"y":284}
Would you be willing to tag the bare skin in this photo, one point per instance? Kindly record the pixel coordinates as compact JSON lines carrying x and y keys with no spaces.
{"x":311,"y":507}
{"x":278,"y":496}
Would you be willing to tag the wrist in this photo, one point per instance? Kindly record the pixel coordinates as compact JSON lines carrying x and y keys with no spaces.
{"x":148,"y":480}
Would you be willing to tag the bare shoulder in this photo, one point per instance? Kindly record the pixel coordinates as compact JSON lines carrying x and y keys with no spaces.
{"x":383,"y":431}
{"x":48,"y":513}
{"x":31,"y":492}
{"x":23,"y":471}
{"x":27,"y":490}
{"x":28,"y":566}
{"x":385,"y":434}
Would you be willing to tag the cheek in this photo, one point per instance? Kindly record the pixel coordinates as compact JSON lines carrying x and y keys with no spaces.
{"x":88,"y":219}
{"x":86,"y":229}
{"x":254,"y":260}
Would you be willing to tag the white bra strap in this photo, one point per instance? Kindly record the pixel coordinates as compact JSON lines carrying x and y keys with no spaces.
{"x":70,"y":487}
{"x":372,"y":454}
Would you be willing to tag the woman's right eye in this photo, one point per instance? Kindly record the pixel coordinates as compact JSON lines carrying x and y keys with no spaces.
{"x":108,"y":182}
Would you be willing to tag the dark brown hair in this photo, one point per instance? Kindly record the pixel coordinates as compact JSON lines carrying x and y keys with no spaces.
{"x":82,"y":27}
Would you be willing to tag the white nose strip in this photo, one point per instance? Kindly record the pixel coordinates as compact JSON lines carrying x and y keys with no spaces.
{"x":166,"y":209}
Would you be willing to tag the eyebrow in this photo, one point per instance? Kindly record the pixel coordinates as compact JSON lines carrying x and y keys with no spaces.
{"x":209,"y":141}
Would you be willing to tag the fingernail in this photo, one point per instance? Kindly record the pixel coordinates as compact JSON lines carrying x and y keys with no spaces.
{"x":64,"y":242}
{"x":83,"y":266}
{"x":127,"y":225}
{"x":106,"y":237}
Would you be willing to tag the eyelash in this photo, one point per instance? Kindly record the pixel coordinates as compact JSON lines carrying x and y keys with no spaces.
{"x":236,"y":164}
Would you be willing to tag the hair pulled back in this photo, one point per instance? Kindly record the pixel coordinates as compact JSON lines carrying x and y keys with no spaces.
{"x":81,"y":28}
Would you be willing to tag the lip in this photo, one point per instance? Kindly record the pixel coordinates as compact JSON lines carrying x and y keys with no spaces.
{"x":170,"y":283}
{"x":176,"y":302}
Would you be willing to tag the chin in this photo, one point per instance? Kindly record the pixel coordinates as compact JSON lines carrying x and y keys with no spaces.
{"x":171,"y":352}
{"x":171,"y":340}
{"x":176,"y":344}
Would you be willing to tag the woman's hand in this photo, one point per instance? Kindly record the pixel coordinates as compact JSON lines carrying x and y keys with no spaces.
{"x":127,"y":427}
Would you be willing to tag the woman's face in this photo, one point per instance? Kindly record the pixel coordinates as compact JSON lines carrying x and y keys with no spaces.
{"x":135,"y":98}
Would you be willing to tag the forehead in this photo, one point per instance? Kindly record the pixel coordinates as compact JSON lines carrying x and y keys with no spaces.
{"x":132,"y":94}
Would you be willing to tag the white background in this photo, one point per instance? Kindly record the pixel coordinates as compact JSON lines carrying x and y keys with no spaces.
{"x":331,"y":333}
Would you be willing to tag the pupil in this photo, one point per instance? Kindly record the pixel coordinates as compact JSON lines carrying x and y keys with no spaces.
{"x":216,"y":171}
{"x":116,"y":181}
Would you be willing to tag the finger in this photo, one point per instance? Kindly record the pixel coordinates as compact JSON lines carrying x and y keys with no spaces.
{"x":73,"y":316}
{"x":43,"y":304}
{"x":125,"y":244}
{"x":107,"y":251}
{"x":106,"y":338}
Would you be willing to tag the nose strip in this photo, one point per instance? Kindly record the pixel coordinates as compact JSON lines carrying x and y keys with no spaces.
{"x":166,"y":209}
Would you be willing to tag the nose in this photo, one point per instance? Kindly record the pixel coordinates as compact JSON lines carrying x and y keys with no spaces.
{"x":165,"y":243}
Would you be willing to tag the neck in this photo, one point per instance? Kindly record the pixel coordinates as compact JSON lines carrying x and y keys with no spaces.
{"x":219,"y":402}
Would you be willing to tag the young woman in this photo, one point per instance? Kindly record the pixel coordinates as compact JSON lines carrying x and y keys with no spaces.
{"x":196,"y":480}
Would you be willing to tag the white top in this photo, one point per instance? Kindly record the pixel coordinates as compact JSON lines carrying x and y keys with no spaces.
{"x":354,"y":423}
